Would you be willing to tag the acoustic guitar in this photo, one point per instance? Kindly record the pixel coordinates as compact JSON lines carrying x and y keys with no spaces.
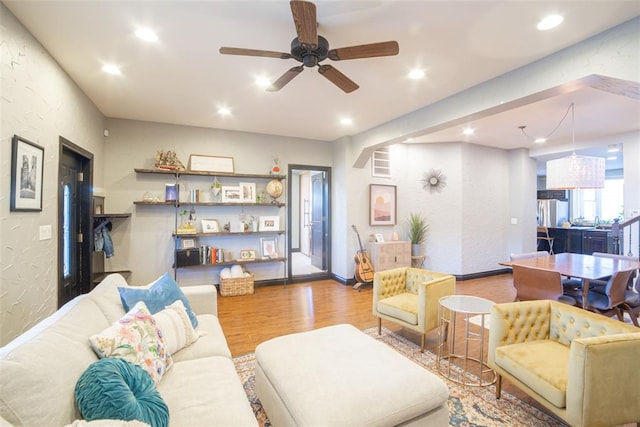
{"x":364,"y":268}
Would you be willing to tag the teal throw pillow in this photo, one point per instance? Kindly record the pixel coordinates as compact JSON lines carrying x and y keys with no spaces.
{"x":162,"y":293}
{"x":115,"y":389}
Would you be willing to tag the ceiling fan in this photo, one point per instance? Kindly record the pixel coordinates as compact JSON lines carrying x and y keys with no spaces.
{"x":311,"y":49}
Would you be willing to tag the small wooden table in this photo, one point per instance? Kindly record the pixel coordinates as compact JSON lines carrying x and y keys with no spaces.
{"x":584,"y":267}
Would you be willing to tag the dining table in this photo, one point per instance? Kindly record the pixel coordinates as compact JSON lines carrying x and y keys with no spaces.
{"x":580,"y":266}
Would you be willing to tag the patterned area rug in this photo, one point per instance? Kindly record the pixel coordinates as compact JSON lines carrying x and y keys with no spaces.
{"x":468,"y":406}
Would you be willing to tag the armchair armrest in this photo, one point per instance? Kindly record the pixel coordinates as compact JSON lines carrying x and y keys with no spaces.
{"x":602,"y":385}
{"x":431,"y":287}
{"x":203,"y":298}
{"x":517,"y":322}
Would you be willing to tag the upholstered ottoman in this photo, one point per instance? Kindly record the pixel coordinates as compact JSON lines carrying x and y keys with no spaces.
{"x":339,"y":376}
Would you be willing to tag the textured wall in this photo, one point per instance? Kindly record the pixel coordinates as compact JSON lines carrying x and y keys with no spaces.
{"x":40,"y":103}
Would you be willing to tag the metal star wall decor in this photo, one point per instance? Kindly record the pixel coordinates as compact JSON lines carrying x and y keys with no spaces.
{"x":434,"y":181}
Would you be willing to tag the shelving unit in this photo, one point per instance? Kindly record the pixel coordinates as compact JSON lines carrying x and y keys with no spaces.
{"x":216,"y":209}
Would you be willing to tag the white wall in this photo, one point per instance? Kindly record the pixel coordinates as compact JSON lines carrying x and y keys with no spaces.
{"x":39,"y":102}
{"x":144,"y":244}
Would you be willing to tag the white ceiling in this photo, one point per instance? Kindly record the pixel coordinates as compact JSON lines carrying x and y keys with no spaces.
{"x":182,"y":78}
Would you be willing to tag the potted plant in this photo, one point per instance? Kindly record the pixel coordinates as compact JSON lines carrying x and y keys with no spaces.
{"x":418,"y":228}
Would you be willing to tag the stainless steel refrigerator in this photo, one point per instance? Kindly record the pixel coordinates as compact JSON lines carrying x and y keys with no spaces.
{"x":552,"y":213}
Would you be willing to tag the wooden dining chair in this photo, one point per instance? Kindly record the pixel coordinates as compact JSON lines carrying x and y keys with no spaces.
{"x":543,"y":236}
{"x":537,"y":284}
{"x":614,"y":297}
{"x":600,"y":284}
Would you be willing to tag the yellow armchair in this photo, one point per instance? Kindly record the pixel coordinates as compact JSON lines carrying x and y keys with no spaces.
{"x":580,"y":365}
{"x":409,"y":297}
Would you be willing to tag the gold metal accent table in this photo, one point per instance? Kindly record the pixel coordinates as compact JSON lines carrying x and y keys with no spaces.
{"x":472,"y":371}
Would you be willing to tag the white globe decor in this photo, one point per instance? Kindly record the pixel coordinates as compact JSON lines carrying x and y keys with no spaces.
{"x":274,"y":189}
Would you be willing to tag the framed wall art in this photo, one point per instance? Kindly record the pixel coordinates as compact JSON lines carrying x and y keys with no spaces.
{"x":187,"y":243}
{"x":203,"y":163}
{"x":382,"y":204}
{"x":27,"y":167}
{"x":210,"y":226}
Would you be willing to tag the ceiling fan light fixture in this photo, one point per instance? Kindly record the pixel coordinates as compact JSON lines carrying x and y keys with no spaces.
{"x":416,"y":74}
{"x":224,"y":111}
{"x":146,"y":34}
{"x":111,"y":69}
{"x":540,"y":140}
{"x":262,"y":82}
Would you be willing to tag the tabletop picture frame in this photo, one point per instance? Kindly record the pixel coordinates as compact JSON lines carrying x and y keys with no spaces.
{"x":382,"y":204}
{"x":269,"y":223}
{"x":231,"y":194}
{"x":269,"y":247}
{"x":210,"y":226}
{"x":27,"y":168}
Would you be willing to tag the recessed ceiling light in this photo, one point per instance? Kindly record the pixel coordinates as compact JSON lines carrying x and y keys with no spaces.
{"x":416,"y":74}
{"x":346,"y":121}
{"x":110,"y":69}
{"x":224,"y":111}
{"x":146,"y":35}
{"x":262,"y":82}
{"x":468,"y":131}
{"x":549,"y":22}
{"x":540,"y":140}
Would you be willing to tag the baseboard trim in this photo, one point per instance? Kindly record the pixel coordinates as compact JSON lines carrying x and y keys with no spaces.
{"x":482,"y":274}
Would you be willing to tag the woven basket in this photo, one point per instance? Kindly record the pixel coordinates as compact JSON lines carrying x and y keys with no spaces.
{"x":236,"y":286}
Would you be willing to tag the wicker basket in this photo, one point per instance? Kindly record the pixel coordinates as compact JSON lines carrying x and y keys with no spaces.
{"x":236,"y":286}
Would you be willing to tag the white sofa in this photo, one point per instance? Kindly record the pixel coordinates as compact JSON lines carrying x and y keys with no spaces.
{"x":40,"y":368}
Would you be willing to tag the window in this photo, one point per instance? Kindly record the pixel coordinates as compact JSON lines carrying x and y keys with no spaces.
{"x":604,"y":204}
{"x":66,"y":232}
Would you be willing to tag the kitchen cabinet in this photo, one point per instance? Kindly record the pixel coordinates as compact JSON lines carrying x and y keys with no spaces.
{"x":595,"y":241}
{"x":580,"y":240}
{"x":388,"y":255}
{"x":199,"y":249}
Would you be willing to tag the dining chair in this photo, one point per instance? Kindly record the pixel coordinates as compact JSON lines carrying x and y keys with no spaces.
{"x":570,"y":286}
{"x":543,"y":236}
{"x":537,"y":284}
{"x":614,"y":297}
{"x":631,"y":303}
{"x":599,"y":284}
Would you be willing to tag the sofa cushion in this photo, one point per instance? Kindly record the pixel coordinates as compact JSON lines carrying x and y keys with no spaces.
{"x":175,"y":327}
{"x":136,"y":339}
{"x":159,"y":294}
{"x":206,"y":392}
{"x":116,"y":389}
{"x":211,"y":341}
{"x":542,"y":365}
{"x":402,"y":306}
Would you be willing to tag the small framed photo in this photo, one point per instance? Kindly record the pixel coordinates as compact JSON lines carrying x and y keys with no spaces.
{"x":231,"y":194}
{"x":247,"y":192}
{"x":247,"y":254}
{"x":171,"y":193}
{"x":269,"y":247}
{"x":210,"y":226}
{"x":269,"y":223}
{"x":187,"y":243}
{"x":27,"y":167}
{"x":379,"y":237}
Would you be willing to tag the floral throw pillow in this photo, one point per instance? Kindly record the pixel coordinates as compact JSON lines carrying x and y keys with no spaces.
{"x":136,"y":339}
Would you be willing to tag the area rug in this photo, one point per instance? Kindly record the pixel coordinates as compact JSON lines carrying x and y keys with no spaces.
{"x":468,"y":406}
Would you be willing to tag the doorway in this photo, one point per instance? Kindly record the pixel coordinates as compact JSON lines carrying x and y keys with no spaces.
{"x":309,"y":218}
{"x":75,"y":172}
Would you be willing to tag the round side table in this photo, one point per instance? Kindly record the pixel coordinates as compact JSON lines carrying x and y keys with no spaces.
{"x":472,"y":371}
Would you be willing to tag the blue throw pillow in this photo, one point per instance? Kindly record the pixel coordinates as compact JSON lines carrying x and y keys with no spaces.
{"x":162,"y":293}
{"x":115,"y":389}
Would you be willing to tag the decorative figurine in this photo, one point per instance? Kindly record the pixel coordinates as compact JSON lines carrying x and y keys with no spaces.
{"x":275,"y":169}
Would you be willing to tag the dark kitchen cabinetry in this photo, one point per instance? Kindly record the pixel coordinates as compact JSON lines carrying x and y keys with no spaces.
{"x":579,"y":241}
{"x":552,"y":194}
{"x":595,"y":241}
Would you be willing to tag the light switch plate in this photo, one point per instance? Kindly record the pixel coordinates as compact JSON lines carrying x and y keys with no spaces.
{"x":45,"y":232}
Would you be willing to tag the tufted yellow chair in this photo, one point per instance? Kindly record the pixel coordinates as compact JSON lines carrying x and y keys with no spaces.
{"x":580,"y":365}
{"x":409,"y":297}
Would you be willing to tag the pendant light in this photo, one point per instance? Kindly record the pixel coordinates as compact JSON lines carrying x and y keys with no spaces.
{"x":575,"y":172}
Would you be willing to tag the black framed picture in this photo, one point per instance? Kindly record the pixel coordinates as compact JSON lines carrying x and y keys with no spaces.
{"x":27,"y":167}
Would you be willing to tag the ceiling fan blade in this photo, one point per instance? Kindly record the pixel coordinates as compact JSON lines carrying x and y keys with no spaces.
{"x":285,"y":78}
{"x":253,"y":52}
{"x":304,"y":17}
{"x":337,"y":78}
{"x":365,"y":51}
